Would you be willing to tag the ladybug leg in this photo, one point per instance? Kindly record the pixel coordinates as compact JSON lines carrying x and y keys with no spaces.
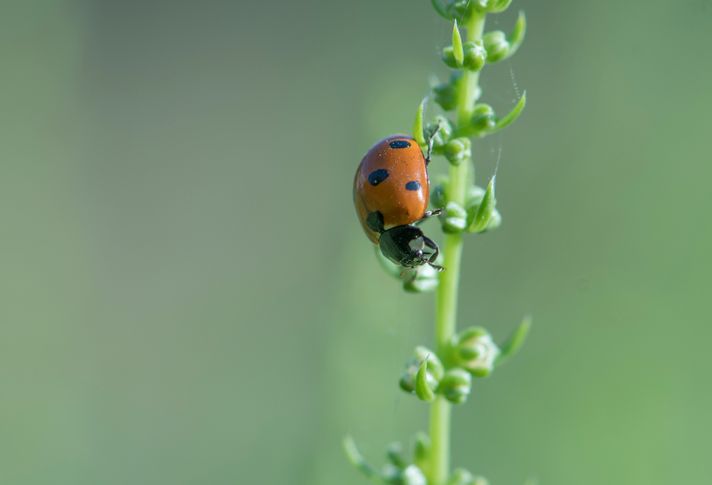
{"x":431,"y":139}
{"x":436,"y":252}
{"x":428,"y":214}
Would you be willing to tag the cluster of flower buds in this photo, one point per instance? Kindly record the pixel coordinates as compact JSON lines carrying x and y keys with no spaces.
{"x":398,"y":470}
{"x":426,"y":377}
{"x":470,"y":55}
{"x":422,"y":374}
{"x":495,"y":46}
{"x":460,"y":9}
{"x":478,"y":215}
{"x":475,"y":351}
{"x":484,"y":120}
{"x":472,"y":353}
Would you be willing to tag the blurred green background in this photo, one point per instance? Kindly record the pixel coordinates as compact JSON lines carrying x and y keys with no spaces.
{"x":186,"y":296}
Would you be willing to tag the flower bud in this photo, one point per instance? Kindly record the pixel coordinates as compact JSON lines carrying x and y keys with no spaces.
{"x":454,"y":218}
{"x":474,"y":195}
{"x":460,"y":476}
{"x":448,"y":57}
{"x":496,"y":45}
{"x":457,"y":9}
{"x":445,"y":95}
{"x":395,"y":455}
{"x":412,"y":475}
{"x":455,"y":385}
{"x":481,"y":5}
{"x":440,"y":130}
{"x":391,"y":473}
{"x":433,"y":370}
{"x":475,"y":55}
{"x":475,"y":351}
{"x":458,"y":150}
{"x":483,"y":118}
{"x":438,"y":194}
{"x":494,"y":222}
{"x":424,"y":279}
{"x":492,"y":6}
{"x":421,"y":449}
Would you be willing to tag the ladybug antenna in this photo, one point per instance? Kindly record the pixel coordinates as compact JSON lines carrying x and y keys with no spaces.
{"x":431,"y":139}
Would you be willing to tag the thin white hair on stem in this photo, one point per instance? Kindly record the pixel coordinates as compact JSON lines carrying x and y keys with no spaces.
{"x":517,"y":92}
{"x":499,"y":156}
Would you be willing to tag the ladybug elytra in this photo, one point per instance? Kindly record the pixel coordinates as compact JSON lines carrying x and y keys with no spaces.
{"x":391,"y":191}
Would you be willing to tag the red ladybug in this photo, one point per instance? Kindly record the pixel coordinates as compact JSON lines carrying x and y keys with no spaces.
{"x":391,"y":190}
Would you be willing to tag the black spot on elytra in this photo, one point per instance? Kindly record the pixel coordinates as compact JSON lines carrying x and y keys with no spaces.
{"x":412,"y":185}
{"x":399,"y":144}
{"x":377,"y":176}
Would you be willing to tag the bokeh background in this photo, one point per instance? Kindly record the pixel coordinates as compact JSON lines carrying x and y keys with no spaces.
{"x":185,"y":294}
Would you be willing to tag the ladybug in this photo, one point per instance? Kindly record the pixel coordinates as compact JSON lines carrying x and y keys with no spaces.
{"x":391,"y":190}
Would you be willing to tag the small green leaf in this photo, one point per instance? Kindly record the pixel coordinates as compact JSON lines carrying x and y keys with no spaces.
{"x":484,"y":210}
{"x":418,"y":124}
{"x":422,"y":386}
{"x":512,"y":116}
{"x":457,"y":51}
{"x":517,"y":36}
{"x":356,"y":458}
{"x":515,"y":341}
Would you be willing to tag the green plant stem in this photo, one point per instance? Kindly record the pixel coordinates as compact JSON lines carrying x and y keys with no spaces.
{"x":446,"y":302}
